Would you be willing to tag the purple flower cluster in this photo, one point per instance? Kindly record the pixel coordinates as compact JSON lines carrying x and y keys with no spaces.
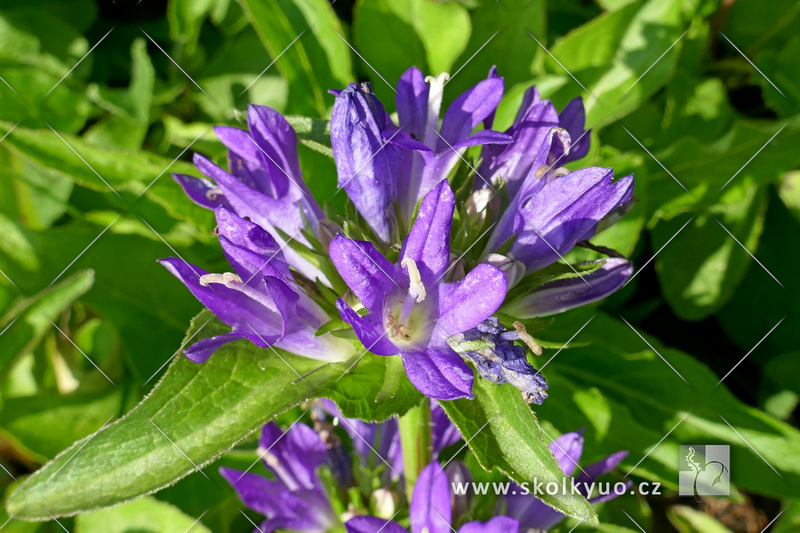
{"x":410,"y":294}
{"x":296,"y":499}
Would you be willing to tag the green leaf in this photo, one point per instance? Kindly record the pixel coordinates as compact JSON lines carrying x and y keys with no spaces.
{"x":202,"y":410}
{"x":790,"y":519}
{"x":789,"y":192}
{"x":699,"y":269}
{"x":502,"y":32}
{"x":147,"y":515}
{"x":185,"y":19}
{"x":688,"y":520}
{"x":632,"y":399}
{"x":504,"y":434}
{"x":45,"y":425}
{"x":314,"y":133}
{"x":126,"y":171}
{"x":361,"y":395}
{"x":30,"y":319}
{"x":393,"y":35}
{"x":313,"y":63}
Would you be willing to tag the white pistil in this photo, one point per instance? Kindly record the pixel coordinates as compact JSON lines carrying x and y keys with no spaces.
{"x":213,"y":193}
{"x":434,"y":105}
{"x":526,"y":337}
{"x":416,"y":289}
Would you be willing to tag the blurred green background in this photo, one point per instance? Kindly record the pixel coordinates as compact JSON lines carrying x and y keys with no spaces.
{"x":101,"y":101}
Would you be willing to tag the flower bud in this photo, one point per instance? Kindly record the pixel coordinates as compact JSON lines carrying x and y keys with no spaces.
{"x":458,"y":474}
{"x":383,"y":503}
{"x":456,"y":269}
{"x":477,"y":205}
{"x":562,"y":295}
{"x":513,"y":269}
{"x":326,"y":231}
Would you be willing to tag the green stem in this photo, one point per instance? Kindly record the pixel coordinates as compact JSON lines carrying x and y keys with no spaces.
{"x":417,"y":441}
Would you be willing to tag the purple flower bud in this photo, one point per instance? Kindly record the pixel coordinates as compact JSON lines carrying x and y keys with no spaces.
{"x":562,"y":295}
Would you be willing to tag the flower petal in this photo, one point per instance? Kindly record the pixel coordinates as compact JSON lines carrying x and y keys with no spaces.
{"x":468,"y":110}
{"x":200,"y":351}
{"x":364,"y":269}
{"x":372,"y":524}
{"x":369,"y":330}
{"x":258,"y":493}
{"x":412,"y":102}
{"x":439,"y":373}
{"x":565,"y":211}
{"x":573,"y":119}
{"x":562,"y":295}
{"x":467,"y":303}
{"x":428,"y":242}
{"x":201,"y":191}
{"x":604,"y":466}
{"x":430,"y":503}
{"x":498,"y":524}
{"x":293,"y":456}
{"x":483,"y":137}
{"x":568,"y":449}
{"x":364,"y":162}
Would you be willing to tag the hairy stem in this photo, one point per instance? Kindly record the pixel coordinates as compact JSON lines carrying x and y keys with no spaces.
{"x":417,"y":441}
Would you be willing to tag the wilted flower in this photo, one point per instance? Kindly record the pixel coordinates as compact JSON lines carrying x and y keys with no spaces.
{"x":431,"y":511}
{"x":296,"y":498}
{"x":568,"y":448}
{"x":411,"y":310}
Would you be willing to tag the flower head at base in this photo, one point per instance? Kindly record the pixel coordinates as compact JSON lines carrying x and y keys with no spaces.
{"x":568,"y":448}
{"x":431,"y":511}
{"x":411,"y":310}
{"x":295,"y":499}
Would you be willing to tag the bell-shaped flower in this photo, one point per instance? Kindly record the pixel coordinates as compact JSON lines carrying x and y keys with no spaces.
{"x":565,"y":294}
{"x":511,"y":163}
{"x":411,"y":310}
{"x":377,"y":443}
{"x":419,"y":102}
{"x":264,"y":183}
{"x":555,"y":209}
{"x":431,"y":511}
{"x":295,"y":499}
{"x":257,"y":299}
{"x":367,"y":148}
{"x":568,"y":448}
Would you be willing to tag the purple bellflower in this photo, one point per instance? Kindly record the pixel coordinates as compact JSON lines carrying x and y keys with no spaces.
{"x":258,"y":299}
{"x":376,"y":442}
{"x":559,"y":296}
{"x":511,"y":163}
{"x":264,"y":184}
{"x":419,"y":101}
{"x":295,"y":499}
{"x":411,"y":310}
{"x":431,"y":511}
{"x":368,"y":148}
{"x":568,"y":448}
{"x":555,"y":209}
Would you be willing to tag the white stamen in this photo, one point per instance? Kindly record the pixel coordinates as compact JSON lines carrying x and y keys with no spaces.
{"x":227,"y":279}
{"x":434,"y":105}
{"x":525,"y":337}
{"x":416,"y":289}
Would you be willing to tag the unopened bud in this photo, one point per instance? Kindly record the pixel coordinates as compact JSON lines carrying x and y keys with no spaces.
{"x":513,"y":269}
{"x":383,"y":503}
{"x":459,"y":475}
{"x":456,"y":269}
{"x":326,"y":231}
{"x":477,"y":205}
